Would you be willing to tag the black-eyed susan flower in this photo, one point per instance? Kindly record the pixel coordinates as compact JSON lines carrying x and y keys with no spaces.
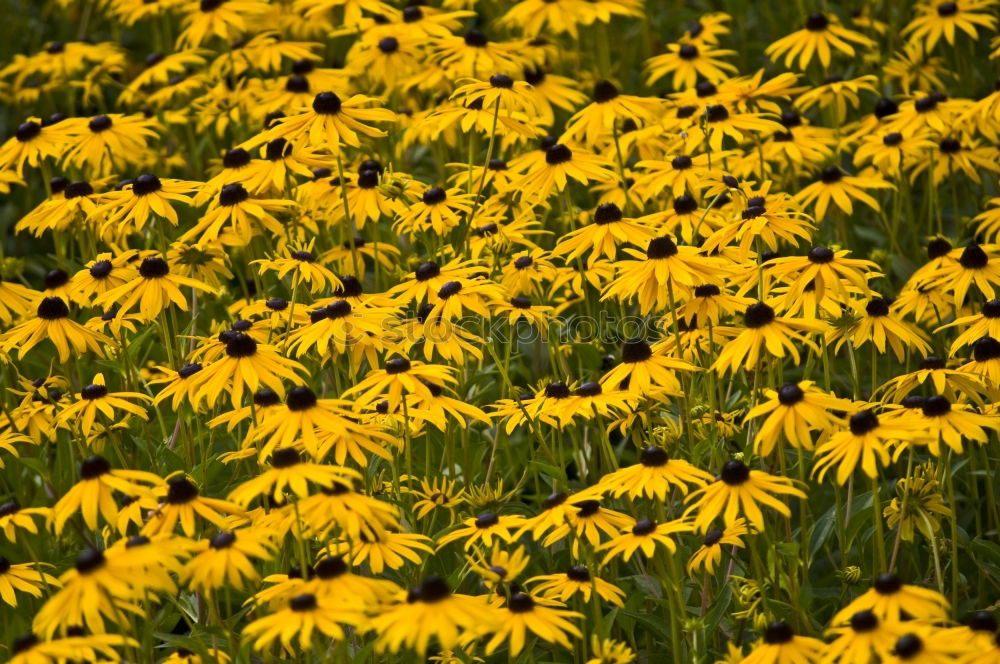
{"x":182,"y":503}
{"x":688,"y":62}
{"x":246,"y":364}
{"x":644,"y":536}
{"x":304,"y":617}
{"x":14,"y":518}
{"x":861,"y":637}
{"x":867,"y":443}
{"x":739,"y":489}
{"x":289,"y":472}
{"x":148,"y":197}
{"x":663,"y":274}
{"x":820,"y":37}
{"x":23,"y":578}
{"x":609,"y":107}
{"x":561,"y":163}
{"x":941,"y":20}
{"x":793,"y":412}
{"x":891,"y":599}
{"x":93,"y":493}
{"x":928,"y":645}
{"x":951,"y":423}
{"x":781,"y":645}
{"x":437,"y":494}
{"x":330,"y":122}
{"x":235,"y":219}
{"x":52,"y":322}
{"x":92,"y":594}
{"x":841,"y":189}
{"x":226,"y":19}
{"x":224,"y":560}
{"x":707,"y":556}
{"x":644,"y":370}
{"x":485,"y":528}
{"x":153,"y":289}
{"x":577,"y":580}
{"x":103,"y":143}
{"x":31,"y":649}
{"x":431,"y":610}
{"x":526,"y":615}
{"x":400,"y":376}
{"x":765,"y":331}
{"x":95,"y":397}
{"x":655,"y":475}
{"x":438,"y":210}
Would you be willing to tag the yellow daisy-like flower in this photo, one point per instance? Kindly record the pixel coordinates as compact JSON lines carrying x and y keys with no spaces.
{"x":93,"y":495}
{"x":821,"y":35}
{"x":225,"y":560}
{"x":739,"y":489}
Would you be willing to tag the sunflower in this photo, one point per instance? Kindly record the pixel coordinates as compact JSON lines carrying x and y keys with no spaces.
{"x":52,"y":322}
{"x":821,"y":35}
{"x":225,"y":560}
{"x":737,"y":486}
{"x":546,"y":619}
{"x":93,"y":493}
{"x":794,"y":411}
{"x":431,"y":610}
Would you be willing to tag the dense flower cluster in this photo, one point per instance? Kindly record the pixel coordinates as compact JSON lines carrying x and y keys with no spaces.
{"x":481,"y":331}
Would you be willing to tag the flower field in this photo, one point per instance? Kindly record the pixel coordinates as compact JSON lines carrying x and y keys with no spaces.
{"x":589,"y":331}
